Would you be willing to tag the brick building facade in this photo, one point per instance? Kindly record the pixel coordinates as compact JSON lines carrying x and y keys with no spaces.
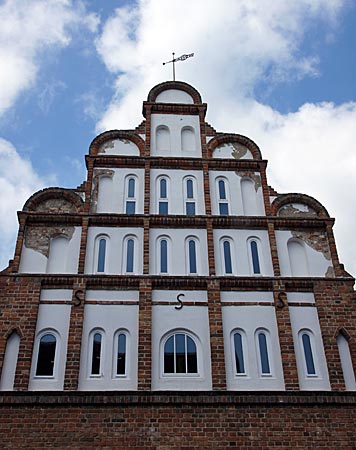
{"x":175,"y":300}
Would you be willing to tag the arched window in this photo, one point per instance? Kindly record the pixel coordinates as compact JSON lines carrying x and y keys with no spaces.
{"x":180,"y":355}
{"x":130,"y":253}
{"x":254,"y":252}
{"x":46,"y":355}
{"x":227,"y":257}
{"x":192,"y":256}
{"x":10,"y":362}
{"x":104,"y":194}
{"x":188,"y":139}
{"x":189,"y":194}
{"x":163,"y":256}
{"x":263,"y":353}
{"x":249,"y":198}
{"x":346,"y":362}
{"x":162,"y":195}
{"x":308,"y":354}
{"x":223,"y":201}
{"x":101,"y":255}
{"x":239,"y":353}
{"x":130,"y":195}
{"x":96,"y":353}
{"x":297,"y":258}
{"x":58,"y":254}
{"x":120,"y":354}
{"x":163,"y":140}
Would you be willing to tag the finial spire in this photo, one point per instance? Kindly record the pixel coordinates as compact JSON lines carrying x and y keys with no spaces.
{"x":174,"y":60}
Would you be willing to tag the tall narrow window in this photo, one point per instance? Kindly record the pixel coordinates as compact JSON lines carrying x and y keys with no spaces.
{"x":239,"y":354}
{"x":163,"y":196}
{"x":101,"y":255}
{"x":121,"y":354}
{"x":46,"y":355}
{"x":264,"y":360}
{"x":130,"y":196}
{"x":222,"y":198}
{"x":96,"y":354}
{"x":227,"y":257}
{"x":180,"y":355}
{"x":189,"y":197}
{"x":130,"y":255}
{"x":308,"y":354}
{"x":255,"y":258}
{"x":163,"y":256}
{"x":192,"y":256}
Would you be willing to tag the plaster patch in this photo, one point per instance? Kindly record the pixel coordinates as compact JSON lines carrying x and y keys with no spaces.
{"x":106,"y":145}
{"x":254,"y":177}
{"x":297,"y":210}
{"x":330,"y":272}
{"x":56,"y":205}
{"x":38,"y":238}
{"x":239,"y":151}
{"x":95,"y":189}
{"x":315,"y":240}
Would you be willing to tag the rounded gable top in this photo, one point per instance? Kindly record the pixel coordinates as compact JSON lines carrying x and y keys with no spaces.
{"x":174,"y":92}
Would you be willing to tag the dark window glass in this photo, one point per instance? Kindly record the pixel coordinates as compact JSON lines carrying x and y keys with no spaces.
{"x":121,"y":355}
{"x":239,"y":354}
{"x":180,"y":355}
{"x":46,"y":355}
{"x":191,"y":356}
{"x":130,"y":255}
{"x":222,"y":191}
{"x":192,"y":257}
{"x":163,"y":208}
{"x":130,"y":207}
{"x":262,"y":342}
{"x":190,"y":193}
{"x":131,"y":189}
{"x":227,"y":257}
{"x":169,"y":355}
{"x":255,"y":258}
{"x":163,"y":188}
{"x":96,"y":355}
{"x":223,"y":209}
{"x":101,"y":255}
{"x":308,"y":354}
{"x":190,"y":208}
{"x":163,"y":251}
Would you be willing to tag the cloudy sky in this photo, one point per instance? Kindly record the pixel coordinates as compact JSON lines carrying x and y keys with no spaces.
{"x":281,"y":72}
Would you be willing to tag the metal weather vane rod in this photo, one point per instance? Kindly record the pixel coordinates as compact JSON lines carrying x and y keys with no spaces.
{"x":174,"y":60}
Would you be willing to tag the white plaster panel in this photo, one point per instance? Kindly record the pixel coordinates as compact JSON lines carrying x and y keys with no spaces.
{"x":240,"y":251}
{"x":195,"y":321}
{"x":109,"y":319}
{"x":10,"y":362}
{"x":174,"y":96}
{"x":106,"y":295}
{"x":119,"y":187}
{"x":177,"y":250}
{"x":209,"y":138}
{"x":317,"y":264}
{"x":175,"y":124}
{"x":250,"y":319}
{"x":239,"y":297}
{"x":35,"y":262}
{"x":300,"y":297}
{"x":115,"y":251}
{"x":120,"y":147}
{"x":56,"y":294}
{"x":228,"y":151}
{"x":51,"y":318}
{"x":171,"y":296}
{"x":234,"y":194}
{"x":306,"y":318}
{"x":176,"y":190}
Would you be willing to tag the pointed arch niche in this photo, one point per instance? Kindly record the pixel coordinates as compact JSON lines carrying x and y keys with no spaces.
{"x":342,"y":340}
{"x":10,"y":362}
{"x":297,"y":258}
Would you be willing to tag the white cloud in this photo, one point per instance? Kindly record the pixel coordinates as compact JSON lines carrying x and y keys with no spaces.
{"x":18,"y":181}
{"x":28,"y":28}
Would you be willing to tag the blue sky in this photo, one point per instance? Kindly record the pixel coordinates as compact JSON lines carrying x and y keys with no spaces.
{"x":283,"y":75}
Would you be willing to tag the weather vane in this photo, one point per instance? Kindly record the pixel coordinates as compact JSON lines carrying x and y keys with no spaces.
{"x":174,"y":60}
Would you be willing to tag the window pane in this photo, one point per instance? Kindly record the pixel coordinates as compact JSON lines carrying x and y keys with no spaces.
{"x":101,"y":255}
{"x":169,"y":356}
{"x":163,"y":188}
{"x":190,"y":208}
{"x":192,"y":257}
{"x":308,"y":354}
{"x":227,"y":257}
{"x":164,"y":264}
{"x":180,"y":353}
{"x":46,"y":355}
{"x":191,"y":356}
{"x":239,"y":354}
{"x":121,"y":355}
{"x":130,"y":255}
{"x":130,"y":207}
{"x":131,"y":189}
{"x":95,"y":363}
{"x":163,"y":208}
{"x":190,"y":193}
{"x":223,"y":209}
{"x":222,"y":191}
{"x":262,"y":341}
{"x":255,"y":259}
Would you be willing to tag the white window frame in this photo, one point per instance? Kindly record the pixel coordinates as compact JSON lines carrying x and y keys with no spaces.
{"x":115,"y":375}
{"x":126,"y":196}
{"x":197,"y":255}
{"x":266,"y":332}
{"x":245,"y":353}
{"x":158,"y":192}
{"x":227,"y":194}
{"x":233,"y":255}
{"x":96,"y":253}
{"x":57,"y":354}
{"x":158,"y":254}
{"x":90,"y":353}
{"x":124,"y":254}
{"x":260,"y":255}
{"x":185,"y":194}
{"x":313,"y":350}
